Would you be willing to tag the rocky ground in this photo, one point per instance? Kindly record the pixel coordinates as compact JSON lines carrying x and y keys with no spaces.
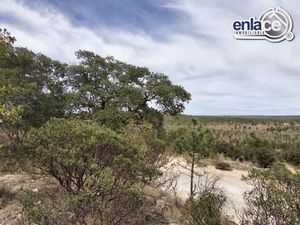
{"x":12,"y":213}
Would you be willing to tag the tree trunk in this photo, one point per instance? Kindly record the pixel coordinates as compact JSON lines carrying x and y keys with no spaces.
{"x":192,"y":175}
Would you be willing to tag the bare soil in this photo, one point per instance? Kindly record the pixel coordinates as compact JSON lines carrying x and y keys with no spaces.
{"x":229,"y":181}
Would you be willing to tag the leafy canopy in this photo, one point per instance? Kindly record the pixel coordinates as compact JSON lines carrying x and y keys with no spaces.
{"x":108,"y":85}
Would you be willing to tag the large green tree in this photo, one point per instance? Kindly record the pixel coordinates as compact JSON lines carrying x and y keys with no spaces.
{"x":39,"y":80}
{"x":31,"y":88}
{"x":105,"y":90}
{"x":10,"y":112}
{"x":107,"y":87}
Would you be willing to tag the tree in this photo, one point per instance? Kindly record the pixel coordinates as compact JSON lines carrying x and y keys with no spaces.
{"x":105,"y":90}
{"x":6,"y":37}
{"x":31,"y":88}
{"x":10,"y":113}
{"x":147,"y":138}
{"x":274,"y":199}
{"x":195,"y":143}
{"x":100,"y":84}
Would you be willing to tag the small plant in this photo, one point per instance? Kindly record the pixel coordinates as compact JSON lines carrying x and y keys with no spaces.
{"x":223,"y":166}
{"x":27,"y":199}
{"x":5,"y":196}
{"x":34,"y":210}
{"x":205,"y":206}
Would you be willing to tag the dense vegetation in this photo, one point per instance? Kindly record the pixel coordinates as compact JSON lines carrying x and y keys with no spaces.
{"x":101,"y":130}
{"x":261,"y":140}
{"x":265,"y":142}
{"x":95,"y":127}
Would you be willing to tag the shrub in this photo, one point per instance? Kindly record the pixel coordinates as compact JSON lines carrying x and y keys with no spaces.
{"x":102,"y":171}
{"x":274,"y":198}
{"x":205,"y":206}
{"x":79,"y":153}
{"x":204,"y":210}
{"x":293,"y":156}
{"x":223,"y":147}
{"x":5,"y":196}
{"x":223,"y":166}
{"x":264,"y":157}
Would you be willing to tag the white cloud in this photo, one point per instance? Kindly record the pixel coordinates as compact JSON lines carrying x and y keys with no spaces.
{"x":225,"y":76}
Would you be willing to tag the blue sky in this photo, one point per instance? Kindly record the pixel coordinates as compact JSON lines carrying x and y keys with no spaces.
{"x":189,"y":40}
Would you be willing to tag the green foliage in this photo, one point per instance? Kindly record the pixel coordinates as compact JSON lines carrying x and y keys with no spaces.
{"x":102,"y":171}
{"x":10,"y":113}
{"x":101,"y":84}
{"x":292,"y":155}
{"x":27,"y":199}
{"x":204,"y":210}
{"x":205,"y":207}
{"x":264,"y":157}
{"x":270,"y":138}
{"x":228,"y":149}
{"x":275,"y":197}
{"x":194,"y":141}
{"x":53,"y":206}
{"x":259,"y":151}
{"x":31,"y":90}
{"x":34,"y":88}
{"x":254,"y":149}
{"x":147,"y":138}
{"x":39,"y":209}
{"x":5,"y":37}
{"x":80,"y":154}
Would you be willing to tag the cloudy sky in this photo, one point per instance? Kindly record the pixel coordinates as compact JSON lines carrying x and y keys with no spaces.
{"x":189,"y":40}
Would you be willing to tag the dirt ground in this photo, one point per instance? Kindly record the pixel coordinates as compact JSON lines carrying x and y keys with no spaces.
{"x":229,"y":181}
{"x":13,"y":213}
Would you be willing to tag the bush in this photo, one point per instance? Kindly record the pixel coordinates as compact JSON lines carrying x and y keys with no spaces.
{"x":204,"y":207}
{"x":204,"y":210}
{"x":229,"y":150}
{"x":274,"y":198}
{"x":223,"y":166}
{"x":293,"y":156}
{"x":102,"y":171}
{"x":264,"y":157}
{"x":79,"y":153}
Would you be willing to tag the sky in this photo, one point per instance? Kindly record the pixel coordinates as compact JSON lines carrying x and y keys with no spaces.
{"x":189,"y":40}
